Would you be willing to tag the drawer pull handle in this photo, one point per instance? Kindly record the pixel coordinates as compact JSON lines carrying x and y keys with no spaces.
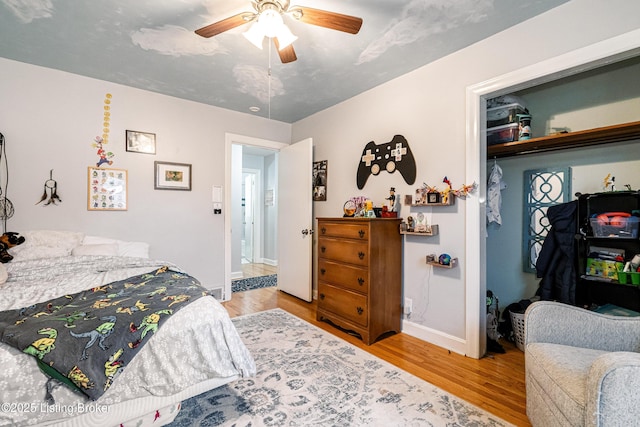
{"x":322,"y":271}
{"x":323,"y":230}
{"x":322,"y":296}
{"x":360,"y":281}
{"x":361,"y":233}
{"x":361,"y":255}
{"x":323,"y":249}
{"x":360,"y":310}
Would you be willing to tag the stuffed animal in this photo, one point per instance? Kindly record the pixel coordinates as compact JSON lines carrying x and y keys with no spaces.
{"x":9,"y":240}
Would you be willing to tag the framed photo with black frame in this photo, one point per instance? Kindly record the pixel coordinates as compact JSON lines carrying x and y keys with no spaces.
{"x":140,"y":142}
{"x":320,"y":181}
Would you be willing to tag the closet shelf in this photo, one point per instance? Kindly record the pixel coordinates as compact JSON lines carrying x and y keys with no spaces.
{"x":583,"y":138}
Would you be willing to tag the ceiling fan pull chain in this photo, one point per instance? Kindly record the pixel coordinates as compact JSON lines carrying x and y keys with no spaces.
{"x":269,"y":81}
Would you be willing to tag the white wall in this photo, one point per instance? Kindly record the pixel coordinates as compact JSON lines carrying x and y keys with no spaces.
{"x":428,"y":107}
{"x":49,"y":119}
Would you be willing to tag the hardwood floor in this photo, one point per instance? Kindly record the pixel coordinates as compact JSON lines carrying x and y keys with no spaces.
{"x":494,"y":383}
{"x":256,"y":270}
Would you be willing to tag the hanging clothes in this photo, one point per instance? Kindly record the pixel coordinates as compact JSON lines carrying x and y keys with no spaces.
{"x":555,"y":265}
{"x":495,"y":184}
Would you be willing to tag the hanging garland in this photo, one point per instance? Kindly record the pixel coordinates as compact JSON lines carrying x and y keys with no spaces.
{"x":99,"y":143}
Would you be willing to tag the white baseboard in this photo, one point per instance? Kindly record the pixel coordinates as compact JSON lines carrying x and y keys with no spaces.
{"x":271,"y":262}
{"x":433,"y":336}
{"x":236,"y":275}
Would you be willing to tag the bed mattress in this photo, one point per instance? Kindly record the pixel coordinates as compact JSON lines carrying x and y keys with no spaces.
{"x":197,"y":349}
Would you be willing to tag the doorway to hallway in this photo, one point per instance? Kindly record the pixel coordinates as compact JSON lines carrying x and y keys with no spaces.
{"x":254,"y":179}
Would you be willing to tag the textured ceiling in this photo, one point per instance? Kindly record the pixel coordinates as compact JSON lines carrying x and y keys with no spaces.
{"x":151,"y":45}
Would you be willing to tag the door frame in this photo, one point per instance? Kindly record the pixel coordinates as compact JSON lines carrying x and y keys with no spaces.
{"x":615,"y":49}
{"x":229,"y":140}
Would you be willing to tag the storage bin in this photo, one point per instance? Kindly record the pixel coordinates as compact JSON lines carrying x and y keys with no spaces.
{"x":627,"y":230}
{"x":624,"y":277}
{"x":502,"y":134}
{"x":607,"y":269}
{"x":504,"y":114}
{"x":517,"y":324}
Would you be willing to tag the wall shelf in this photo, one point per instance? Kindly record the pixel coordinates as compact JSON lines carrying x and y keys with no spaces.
{"x":584,"y":138}
{"x":432,"y":232}
{"x":452,"y":264}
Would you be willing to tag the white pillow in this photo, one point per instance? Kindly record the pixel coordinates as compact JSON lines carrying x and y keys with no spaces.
{"x":106,"y":249}
{"x":97,"y":240}
{"x":4,"y":275}
{"x":46,"y":244}
{"x":52,"y":239}
{"x":132,"y":249}
{"x":38,"y":252}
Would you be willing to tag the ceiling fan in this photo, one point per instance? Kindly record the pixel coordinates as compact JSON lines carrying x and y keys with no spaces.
{"x":267,"y":22}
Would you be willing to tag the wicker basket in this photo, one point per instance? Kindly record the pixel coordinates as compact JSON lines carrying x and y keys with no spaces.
{"x":517,"y":323}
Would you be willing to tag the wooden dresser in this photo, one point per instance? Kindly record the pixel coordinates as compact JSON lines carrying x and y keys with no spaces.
{"x":360,"y":275}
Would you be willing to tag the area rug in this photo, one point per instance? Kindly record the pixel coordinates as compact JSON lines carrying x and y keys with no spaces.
{"x":241,"y":285}
{"x":308,"y":377}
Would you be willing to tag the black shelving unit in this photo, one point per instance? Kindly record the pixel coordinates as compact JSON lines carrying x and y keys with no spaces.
{"x":591,"y":290}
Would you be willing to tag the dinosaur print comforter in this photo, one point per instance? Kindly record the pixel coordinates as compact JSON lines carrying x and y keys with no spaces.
{"x":87,"y":339}
{"x":125,"y":302}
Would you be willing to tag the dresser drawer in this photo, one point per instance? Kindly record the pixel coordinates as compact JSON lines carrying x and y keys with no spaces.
{"x":354,"y":278}
{"x":344,"y":303}
{"x":351,"y":251}
{"x":347,"y":231}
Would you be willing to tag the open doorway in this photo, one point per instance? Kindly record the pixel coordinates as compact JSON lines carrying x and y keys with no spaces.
{"x":235,"y":145}
{"x":256,"y":259}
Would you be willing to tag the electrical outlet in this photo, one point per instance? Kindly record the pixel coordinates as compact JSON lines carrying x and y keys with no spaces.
{"x":408,"y":306}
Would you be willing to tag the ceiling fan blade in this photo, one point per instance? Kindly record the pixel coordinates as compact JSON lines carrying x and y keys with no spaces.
{"x":323,"y":18}
{"x":225,"y":25}
{"x":287,"y":54}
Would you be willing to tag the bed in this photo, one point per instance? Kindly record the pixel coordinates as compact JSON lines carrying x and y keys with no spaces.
{"x":196,"y":349}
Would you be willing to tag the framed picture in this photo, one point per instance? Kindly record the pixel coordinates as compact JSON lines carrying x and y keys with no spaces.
{"x":107,"y":189}
{"x":141,"y":142}
{"x":320,"y":181}
{"x":172,"y":176}
{"x":433,"y":197}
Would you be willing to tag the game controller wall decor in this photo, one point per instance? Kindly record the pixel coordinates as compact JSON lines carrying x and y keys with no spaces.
{"x":391,"y":156}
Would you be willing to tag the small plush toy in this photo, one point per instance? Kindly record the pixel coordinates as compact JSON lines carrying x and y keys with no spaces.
{"x":9,"y":240}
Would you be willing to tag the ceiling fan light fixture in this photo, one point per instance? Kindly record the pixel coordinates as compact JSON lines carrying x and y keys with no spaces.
{"x":285,"y":37}
{"x":255,"y":34}
{"x":270,"y":21}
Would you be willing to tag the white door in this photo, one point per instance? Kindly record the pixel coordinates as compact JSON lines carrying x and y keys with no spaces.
{"x":295,"y":219}
{"x":248,"y":207}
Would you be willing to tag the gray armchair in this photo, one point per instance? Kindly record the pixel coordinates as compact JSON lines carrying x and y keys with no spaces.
{"x":582,"y":368}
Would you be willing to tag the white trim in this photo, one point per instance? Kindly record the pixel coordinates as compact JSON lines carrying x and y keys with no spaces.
{"x":230,"y":139}
{"x":433,"y":336}
{"x":271,"y":262}
{"x":602,"y":53}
